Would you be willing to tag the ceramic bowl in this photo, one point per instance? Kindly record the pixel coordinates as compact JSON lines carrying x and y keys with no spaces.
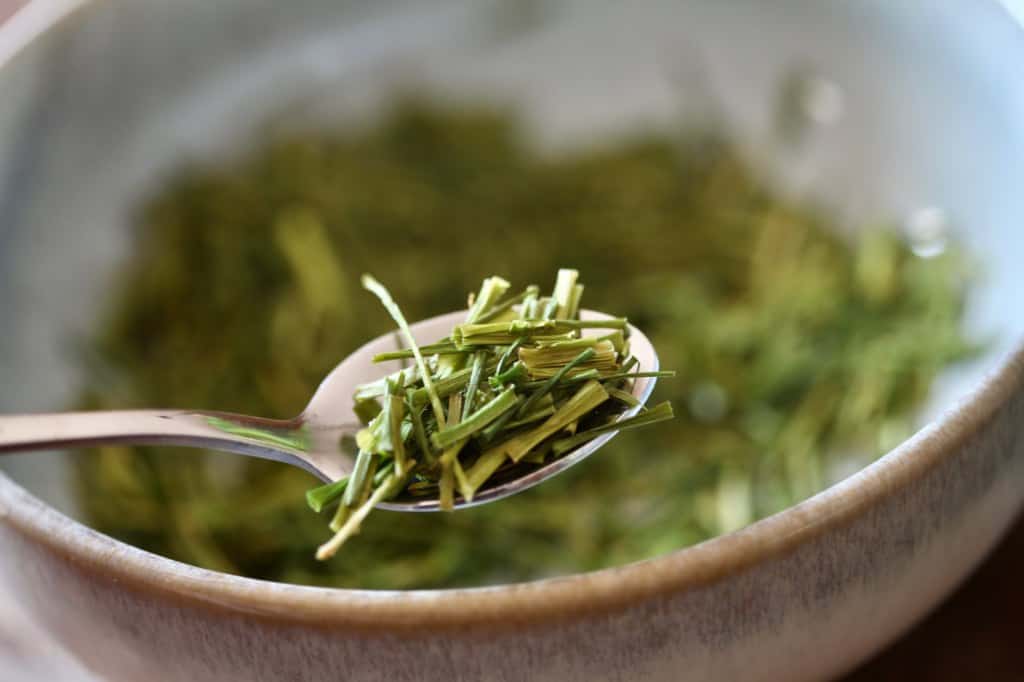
{"x":924,"y":111}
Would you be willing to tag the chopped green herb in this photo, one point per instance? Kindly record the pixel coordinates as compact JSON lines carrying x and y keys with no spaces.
{"x":651,"y":416}
{"x":799,"y":358}
{"x":428,"y":385}
{"x":478,"y":420}
{"x":454,"y":432}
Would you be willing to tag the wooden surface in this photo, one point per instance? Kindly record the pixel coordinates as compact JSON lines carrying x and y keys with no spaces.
{"x":977,"y":634}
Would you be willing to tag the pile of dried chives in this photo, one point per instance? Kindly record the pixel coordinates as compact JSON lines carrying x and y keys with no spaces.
{"x":803,"y":349}
{"x":512,"y":387}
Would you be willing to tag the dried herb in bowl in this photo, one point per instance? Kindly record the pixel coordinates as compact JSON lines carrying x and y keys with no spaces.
{"x":515,"y":385}
{"x":801,"y":353}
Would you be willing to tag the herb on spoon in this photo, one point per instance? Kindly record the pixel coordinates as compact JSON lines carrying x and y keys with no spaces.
{"x":527,"y":414}
{"x":804,"y":350}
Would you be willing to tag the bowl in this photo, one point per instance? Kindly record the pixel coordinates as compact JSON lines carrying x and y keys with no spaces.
{"x":102,"y":98}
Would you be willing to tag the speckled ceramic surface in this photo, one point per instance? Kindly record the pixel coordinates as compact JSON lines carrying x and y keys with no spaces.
{"x":95,"y":106}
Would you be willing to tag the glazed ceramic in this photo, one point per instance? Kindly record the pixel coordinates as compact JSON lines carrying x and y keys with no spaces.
{"x":924,"y":112}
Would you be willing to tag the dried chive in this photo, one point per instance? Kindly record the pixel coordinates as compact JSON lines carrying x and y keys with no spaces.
{"x":583,"y":377}
{"x":380,"y":292}
{"x":397,"y":414}
{"x":510,"y":375}
{"x":366,"y":410}
{"x":491,"y":291}
{"x":622,"y":396}
{"x":477,"y":421}
{"x":565,"y":284}
{"x":759,"y":302}
{"x":322,"y":497}
{"x":510,"y":352}
{"x":546,"y":388}
{"x":446,"y":484}
{"x":351,"y":524}
{"x":432,"y":349}
{"x":419,"y":432}
{"x":548,"y":347}
{"x":501,"y":333}
{"x":588,"y":397}
{"x":445,"y":387}
{"x":357,"y":478}
{"x":483,"y":468}
{"x":476,"y":372}
{"x":499,"y":425}
{"x":507,"y":304}
{"x":661,"y":412}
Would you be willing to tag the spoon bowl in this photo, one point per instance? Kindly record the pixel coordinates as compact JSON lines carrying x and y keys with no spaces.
{"x":359,"y":368}
{"x":316,"y":439}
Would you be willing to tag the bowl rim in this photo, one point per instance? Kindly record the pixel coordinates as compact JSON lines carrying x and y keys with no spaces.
{"x":545,"y":600}
{"x":104,"y":558}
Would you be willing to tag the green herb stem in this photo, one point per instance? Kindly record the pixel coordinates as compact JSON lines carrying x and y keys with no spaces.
{"x":477,"y":421}
{"x":357,"y":478}
{"x":661,"y":412}
{"x":323,"y":496}
{"x":378,"y":289}
{"x":432,"y":349}
{"x":476,"y":372}
{"x":581,"y":358}
{"x":351,"y":525}
{"x":508,"y":304}
{"x":588,"y":397}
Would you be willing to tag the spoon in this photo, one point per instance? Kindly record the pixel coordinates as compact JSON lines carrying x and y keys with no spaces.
{"x":314,"y":440}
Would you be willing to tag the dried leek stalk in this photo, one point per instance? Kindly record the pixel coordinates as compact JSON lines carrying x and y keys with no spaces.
{"x":434,"y":451}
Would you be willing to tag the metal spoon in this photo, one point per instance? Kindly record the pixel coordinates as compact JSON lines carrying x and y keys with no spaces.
{"x":312,"y":440}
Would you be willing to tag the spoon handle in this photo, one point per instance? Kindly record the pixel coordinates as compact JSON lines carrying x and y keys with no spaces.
{"x":267,"y":438}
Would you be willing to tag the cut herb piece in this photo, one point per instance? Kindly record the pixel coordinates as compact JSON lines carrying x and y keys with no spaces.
{"x":512,"y":374}
{"x":583,"y":357}
{"x":510,"y":352}
{"x":379,"y":388}
{"x":445,"y":387}
{"x":432,"y":349}
{"x":380,"y":292}
{"x":622,"y":396}
{"x":582,"y":403}
{"x":357,"y":478}
{"x":351,"y":525}
{"x":461,"y":481}
{"x":506,"y":305}
{"x":491,"y":290}
{"x":322,"y":497}
{"x":419,"y":431}
{"x":503,"y":333}
{"x":482,"y":469}
{"x":544,"y":407}
{"x":550,"y":360}
{"x":475,"y":422}
{"x":659,"y":413}
{"x":550,"y":309}
{"x":397,"y":417}
{"x":476,"y":372}
{"x":582,"y":377}
{"x":499,"y":425}
{"x":565,"y":286}
{"x":366,"y":409}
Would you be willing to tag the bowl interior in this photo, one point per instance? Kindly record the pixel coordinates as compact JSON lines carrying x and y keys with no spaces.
{"x":99,"y":110}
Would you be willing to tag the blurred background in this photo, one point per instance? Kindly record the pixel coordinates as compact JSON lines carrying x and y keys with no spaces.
{"x":976,"y":633}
